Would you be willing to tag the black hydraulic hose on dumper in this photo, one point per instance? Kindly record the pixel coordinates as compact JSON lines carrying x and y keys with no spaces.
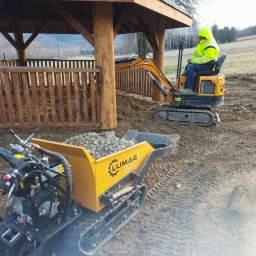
{"x":68,"y":174}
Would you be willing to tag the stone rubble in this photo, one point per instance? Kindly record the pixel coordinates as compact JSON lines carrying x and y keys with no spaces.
{"x":100,"y":144}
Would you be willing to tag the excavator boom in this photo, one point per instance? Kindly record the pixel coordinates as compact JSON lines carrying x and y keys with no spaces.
{"x":158,"y":77}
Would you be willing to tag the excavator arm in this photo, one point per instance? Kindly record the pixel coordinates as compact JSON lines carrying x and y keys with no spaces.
{"x":159,"y":79}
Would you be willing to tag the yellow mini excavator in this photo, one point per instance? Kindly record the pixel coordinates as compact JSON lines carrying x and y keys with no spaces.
{"x":184,"y":108}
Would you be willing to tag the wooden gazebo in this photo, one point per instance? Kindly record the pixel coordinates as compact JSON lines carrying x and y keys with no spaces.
{"x":36,"y":95}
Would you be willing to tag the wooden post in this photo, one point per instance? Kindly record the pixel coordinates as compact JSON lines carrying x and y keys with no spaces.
{"x":104,"y":58}
{"x":20,"y":49}
{"x":158,"y":56}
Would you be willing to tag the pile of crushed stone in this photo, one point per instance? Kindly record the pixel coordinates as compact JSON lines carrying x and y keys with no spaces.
{"x":100,"y":144}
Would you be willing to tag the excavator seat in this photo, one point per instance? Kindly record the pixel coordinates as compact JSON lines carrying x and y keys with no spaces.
{"x":216,"y":71}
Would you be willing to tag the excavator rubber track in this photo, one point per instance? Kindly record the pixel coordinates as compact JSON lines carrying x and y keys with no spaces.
{"x":93,"y":230}
{"x":186,"y":116}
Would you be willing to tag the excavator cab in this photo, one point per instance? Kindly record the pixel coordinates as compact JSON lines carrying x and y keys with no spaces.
{"x":209,"y":88}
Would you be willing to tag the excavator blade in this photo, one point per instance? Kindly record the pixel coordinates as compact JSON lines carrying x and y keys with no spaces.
{"x":199,"y":117}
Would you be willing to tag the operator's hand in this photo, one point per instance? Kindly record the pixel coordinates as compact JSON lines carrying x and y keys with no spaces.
{"x":189,"y":61}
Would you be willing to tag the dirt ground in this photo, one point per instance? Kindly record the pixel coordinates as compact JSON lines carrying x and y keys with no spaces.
{"x":194,"y":218}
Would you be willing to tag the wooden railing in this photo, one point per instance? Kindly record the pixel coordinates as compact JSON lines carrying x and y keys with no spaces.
{"x":36,"y":97}
{"x":9,"y":63}
{"x":134,"y":81}
{"x":60,"y":63}
{"x":51,"y":92}
{"x":53,"y":63}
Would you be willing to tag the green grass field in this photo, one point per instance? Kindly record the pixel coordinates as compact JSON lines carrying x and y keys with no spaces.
{"x":241,"y":58}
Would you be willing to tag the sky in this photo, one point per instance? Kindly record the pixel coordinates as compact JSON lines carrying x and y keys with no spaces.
{"x":230,"y":13}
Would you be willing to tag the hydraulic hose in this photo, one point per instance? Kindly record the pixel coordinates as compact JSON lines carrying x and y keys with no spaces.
{"x":68,"y":174}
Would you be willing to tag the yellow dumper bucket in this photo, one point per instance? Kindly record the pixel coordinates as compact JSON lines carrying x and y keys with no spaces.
{"x":92,"y":179}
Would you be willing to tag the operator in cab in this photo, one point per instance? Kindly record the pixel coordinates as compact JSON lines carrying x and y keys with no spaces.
{"x":204,"y":58}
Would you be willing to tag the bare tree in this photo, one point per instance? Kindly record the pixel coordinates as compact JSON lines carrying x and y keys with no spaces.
{"x":188,"y":6}
{"x":142,"y":45}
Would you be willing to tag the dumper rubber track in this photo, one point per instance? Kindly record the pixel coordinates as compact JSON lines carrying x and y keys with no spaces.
{"x":199,"y":117}
{"x":111,"y":220}
{"x":91,"y":230}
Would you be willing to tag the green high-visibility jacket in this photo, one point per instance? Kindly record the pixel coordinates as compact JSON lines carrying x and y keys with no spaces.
{"x":207,"y":49}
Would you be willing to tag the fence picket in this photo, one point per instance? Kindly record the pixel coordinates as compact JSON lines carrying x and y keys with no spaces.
{"x":25,"y":83}
{"x":52,"y":96}
{"x":35,"y":97}
{"x":84,"y":92}
{"x":7,"y":87}
{"x":43,"y":97}
{"x":68,"y":93}
{"x":17,"y":90}
{"x":60,"y":95}
{"x":2,"y":107}
{"x":93,"y":98}
{"x":76,"y":93}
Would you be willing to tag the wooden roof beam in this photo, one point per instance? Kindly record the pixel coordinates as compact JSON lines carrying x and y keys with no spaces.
{"x":128,"y":27}
{"x":125,"y":29}
{"x":34,"y":35}
{"x":14,"y":43}
{"x":156,"y":6}
{"x":147,"y":30}
{"x":166,"y":10}
{"x":74,"y":23}
{"x":64,"y":28}
{"x":10,"y":39}
{"x":119,"y":17}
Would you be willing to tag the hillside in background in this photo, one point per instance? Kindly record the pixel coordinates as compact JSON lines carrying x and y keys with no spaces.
{"x":51,"y":46}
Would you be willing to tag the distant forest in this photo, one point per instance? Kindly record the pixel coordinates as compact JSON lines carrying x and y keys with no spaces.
{"x":173,"y":38}
{"x":228,"y":35}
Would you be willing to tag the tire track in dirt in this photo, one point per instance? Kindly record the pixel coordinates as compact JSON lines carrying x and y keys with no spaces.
{"x":172,"y":229}
{"x":169,"y":211}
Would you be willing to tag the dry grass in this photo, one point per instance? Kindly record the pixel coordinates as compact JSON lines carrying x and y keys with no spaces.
{"x":241,"y":58}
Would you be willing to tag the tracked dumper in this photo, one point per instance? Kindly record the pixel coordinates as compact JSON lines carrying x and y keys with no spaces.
{"x":53,"y":187}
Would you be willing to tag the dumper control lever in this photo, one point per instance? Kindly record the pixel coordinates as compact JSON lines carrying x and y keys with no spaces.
{"x":24,"y":142}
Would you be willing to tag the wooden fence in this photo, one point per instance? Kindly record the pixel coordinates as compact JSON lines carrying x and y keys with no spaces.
{"x":36,"y":97}
{"x":133,"y":81}
{"x":56,"y":93}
